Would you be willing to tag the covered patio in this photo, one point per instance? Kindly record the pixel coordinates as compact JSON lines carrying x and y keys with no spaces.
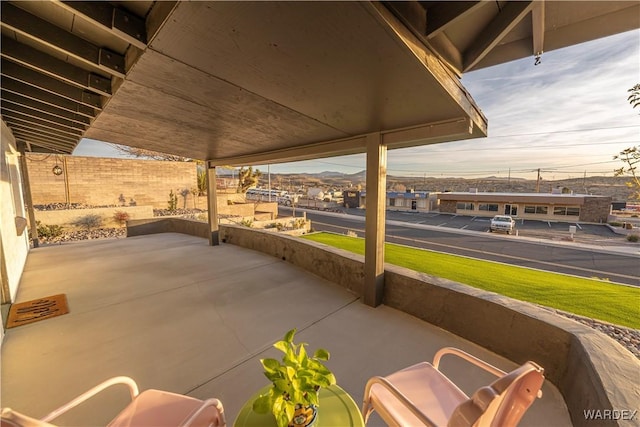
{"x":177,"y":314}
{"x":248,"y":83}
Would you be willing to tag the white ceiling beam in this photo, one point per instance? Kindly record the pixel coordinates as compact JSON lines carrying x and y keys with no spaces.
{"x":511,"y":14}
{"x":12,"y":98}
{"x":340,"y":147}
{"x":446,"y":78}
{"x":443,"y":14}
{"x":537,"y":21}
{"x":15,"y":19}
{"x":428,"y":133}
{"x":26,"y":75}
{"x":121,"y":23}
{"x":28,"y":91}
{"x":61,"y":70}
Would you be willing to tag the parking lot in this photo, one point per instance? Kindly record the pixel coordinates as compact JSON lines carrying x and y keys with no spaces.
{"x":529,"y":228}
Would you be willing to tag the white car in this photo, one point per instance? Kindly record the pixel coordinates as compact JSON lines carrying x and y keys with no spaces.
{"x":502,"y":223}
{"x":288,"y":199}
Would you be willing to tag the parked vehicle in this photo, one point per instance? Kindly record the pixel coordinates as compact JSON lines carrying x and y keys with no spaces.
{"x":288,"y":199}
{"x":502,"y":223}
{"x":263,"y":194}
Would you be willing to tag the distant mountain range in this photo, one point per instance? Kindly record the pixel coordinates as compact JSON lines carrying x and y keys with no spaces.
{"x":596,"y":185}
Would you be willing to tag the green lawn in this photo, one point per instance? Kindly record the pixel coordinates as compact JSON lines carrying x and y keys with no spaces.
{"x":587,"y":297}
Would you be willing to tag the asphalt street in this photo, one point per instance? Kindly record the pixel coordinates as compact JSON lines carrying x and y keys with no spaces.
{"x":533,"y":247}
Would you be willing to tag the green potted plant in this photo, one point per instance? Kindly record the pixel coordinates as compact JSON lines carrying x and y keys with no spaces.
{"x":297,"y":379}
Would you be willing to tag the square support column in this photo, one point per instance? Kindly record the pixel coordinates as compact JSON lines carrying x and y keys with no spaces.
{"x":212,"y":201}
{"x":26,"y":191}
{"x":375,"y":220}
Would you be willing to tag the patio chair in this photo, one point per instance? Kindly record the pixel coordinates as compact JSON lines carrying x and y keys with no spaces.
{"x":422,"y":395}
{"x":149,"y":408}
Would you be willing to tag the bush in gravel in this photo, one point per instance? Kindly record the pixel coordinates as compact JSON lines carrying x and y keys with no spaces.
{"x":172,"y":204}
{"x":121,"y":217}
{"x":633,"y":238}
{"x":88,"y":221}
{"x":49,"y":231}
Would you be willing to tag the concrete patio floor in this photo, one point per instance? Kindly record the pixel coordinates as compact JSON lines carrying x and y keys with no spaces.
{"x":176,"y":314}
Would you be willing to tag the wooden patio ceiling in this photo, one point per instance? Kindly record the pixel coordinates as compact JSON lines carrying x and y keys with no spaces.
{"x":251,"y":82}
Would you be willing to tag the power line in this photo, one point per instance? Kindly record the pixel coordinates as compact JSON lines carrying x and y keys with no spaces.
{"x":554,"y":146}
{"x":564,"y":131}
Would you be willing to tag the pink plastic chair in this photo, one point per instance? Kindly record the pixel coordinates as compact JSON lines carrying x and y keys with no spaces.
{"x":149,"y":408}
{"x":422,"y":395}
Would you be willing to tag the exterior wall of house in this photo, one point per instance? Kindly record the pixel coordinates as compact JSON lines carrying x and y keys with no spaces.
{"x":14,"y":239}
{"x":99,"y":181}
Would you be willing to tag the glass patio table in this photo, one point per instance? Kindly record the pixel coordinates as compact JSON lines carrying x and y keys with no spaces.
{"x":336,"y":408}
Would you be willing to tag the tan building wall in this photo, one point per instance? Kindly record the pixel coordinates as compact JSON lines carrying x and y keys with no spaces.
{"x":536,"y":207}
{"x":99,"y":181}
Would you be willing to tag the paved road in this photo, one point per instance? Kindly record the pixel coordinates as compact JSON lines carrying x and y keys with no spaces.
{"x":540,"y":254}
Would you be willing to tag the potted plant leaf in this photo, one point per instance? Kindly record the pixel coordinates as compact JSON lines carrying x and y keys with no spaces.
{"x":296,"y":382}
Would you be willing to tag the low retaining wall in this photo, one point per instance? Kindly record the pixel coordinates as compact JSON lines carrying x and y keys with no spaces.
{"x":341,"y":267}
{"x":592,"y":371}
{"x":68,"y":216}
{"x":141,"y":227}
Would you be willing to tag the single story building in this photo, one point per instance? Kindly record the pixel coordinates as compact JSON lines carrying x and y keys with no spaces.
{"x":396,"y":200}
{"x":540,"y":206}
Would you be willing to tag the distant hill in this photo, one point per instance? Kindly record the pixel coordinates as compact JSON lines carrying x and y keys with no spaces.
{"x":596,"y":185}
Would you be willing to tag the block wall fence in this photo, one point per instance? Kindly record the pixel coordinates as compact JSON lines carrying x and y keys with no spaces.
{"x":100,"y":181}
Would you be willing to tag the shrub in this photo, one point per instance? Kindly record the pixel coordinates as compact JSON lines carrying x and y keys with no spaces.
{"x":121,"y":217}
{"x":633,"y":238}
{"x":88,"y":221}
{"x":615,"y":224}
{"x":299,"y":223}
{"x":49,"y":231}
{"x":172,"y":204}
{"x":247,"y":223}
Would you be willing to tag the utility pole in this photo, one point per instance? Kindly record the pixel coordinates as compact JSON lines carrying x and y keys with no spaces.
{"x":538,"y":182}
{"x":269,"y":180}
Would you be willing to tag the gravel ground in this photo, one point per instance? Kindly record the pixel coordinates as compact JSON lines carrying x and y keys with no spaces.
{"x":629,"y":338}
{"x":78,"y":235}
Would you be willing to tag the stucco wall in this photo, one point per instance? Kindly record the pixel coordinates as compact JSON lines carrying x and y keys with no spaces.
{"x":99,"y":181}
{"x":15,"y":247}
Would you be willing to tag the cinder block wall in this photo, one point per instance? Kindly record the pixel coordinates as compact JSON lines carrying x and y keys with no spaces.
{"x":106,"y":181}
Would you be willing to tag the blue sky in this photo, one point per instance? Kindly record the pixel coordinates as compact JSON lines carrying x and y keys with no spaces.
{"x":567,"y":116}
